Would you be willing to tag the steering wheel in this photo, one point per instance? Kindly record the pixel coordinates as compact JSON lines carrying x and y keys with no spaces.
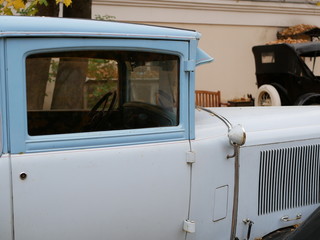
{"x":98,"y":119}
{"x":144,"y":115}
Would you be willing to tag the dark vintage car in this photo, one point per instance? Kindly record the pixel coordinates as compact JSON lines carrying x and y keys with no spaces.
{"x":286,"y":74}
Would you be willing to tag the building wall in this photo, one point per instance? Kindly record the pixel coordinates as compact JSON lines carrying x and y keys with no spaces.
{"x":229,"y":30}
{"x":232,"y":71}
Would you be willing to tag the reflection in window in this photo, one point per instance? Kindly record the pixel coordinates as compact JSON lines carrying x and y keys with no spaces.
{"x":101,"y":90}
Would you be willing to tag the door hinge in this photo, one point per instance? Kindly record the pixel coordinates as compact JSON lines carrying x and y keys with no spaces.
{"x":189,"y":66}
{"x":189,"y":226}
{"x":191,"y":157}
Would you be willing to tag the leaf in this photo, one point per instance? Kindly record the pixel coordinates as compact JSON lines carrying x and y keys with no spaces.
{"x":7,"y":11}
{"x":9,"y":3}
{"x":65,"y":2}
{"x":44,"y":2}
{"x":17,"y":4}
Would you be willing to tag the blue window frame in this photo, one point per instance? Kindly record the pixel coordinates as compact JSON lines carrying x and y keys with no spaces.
{"x":152,"y":78}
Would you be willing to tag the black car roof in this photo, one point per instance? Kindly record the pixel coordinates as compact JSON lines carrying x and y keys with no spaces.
{"x":310,"y":49}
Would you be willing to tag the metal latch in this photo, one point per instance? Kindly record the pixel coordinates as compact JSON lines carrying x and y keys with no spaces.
{"x":191,"y":157}
{"x":189,"y":226}
{"x":287,"y":219}
{"x":189,"y":66}
{"x":248,"y":222}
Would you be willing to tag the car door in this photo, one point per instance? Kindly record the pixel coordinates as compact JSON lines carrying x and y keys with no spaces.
{"x":79,"y":179}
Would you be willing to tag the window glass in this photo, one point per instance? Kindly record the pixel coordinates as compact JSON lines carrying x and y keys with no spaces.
{"x":267,"y":57}
{"x":84,"y":91}
{"x":313,"y":64}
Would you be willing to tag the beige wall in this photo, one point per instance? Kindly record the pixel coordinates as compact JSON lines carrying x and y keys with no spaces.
{"x":233,"y":71}
{"x":230,"y":28}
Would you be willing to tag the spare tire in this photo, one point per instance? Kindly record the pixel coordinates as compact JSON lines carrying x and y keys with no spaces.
{"x":267,"y":95}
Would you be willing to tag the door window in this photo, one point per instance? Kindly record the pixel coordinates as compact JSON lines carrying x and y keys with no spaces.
{"x":87,"y":91}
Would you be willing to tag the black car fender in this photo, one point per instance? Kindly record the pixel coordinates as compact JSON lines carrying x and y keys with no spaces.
{"x":308,"y":99}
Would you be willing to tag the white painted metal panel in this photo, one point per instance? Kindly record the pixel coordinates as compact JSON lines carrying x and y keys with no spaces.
{"x":220,"y":203}
{"x":264,"y":125}
{"x":132,"y":192}
{"x":212,"y":170}
{"x":6,"y":230}
{"x":281,"y":183}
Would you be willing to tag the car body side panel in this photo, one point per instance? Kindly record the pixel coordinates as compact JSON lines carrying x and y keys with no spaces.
{"x":6,"y":218}
{"x":277,"y":180}
{"x":117,"y":184}
{"x":212,"y":188}
{"x":128,"y":192}
{"x":279,"y":164}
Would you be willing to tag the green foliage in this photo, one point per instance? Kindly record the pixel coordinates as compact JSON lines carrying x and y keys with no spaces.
{"x":24,"y":7}
{"x":104,"y":17}
{"x":101,"y":78}
{"x":103,"y":75}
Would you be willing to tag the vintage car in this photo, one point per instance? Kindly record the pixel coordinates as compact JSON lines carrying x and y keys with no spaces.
{"x":287,"y":74}
{"x":101,"y":139}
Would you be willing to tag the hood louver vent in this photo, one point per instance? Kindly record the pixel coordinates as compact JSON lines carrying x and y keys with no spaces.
{"x":289,"y":178}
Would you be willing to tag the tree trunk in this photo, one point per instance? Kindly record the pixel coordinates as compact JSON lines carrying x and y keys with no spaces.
{"x":51,"y":10}
{"x":70,"y":74}
{"x":78,"y":9}
{"x":36,"y":84}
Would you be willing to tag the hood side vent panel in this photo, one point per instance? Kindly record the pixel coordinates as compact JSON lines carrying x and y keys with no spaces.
{"x":288,"y":178}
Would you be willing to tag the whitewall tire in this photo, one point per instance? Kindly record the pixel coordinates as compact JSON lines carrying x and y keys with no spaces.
{"x":267,"y":95}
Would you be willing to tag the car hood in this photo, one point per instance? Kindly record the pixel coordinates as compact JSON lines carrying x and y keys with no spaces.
{"x":263,"y":125}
